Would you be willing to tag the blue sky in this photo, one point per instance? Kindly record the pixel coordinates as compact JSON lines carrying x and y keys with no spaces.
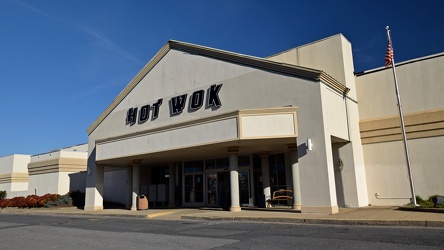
{"x":63,"y":62}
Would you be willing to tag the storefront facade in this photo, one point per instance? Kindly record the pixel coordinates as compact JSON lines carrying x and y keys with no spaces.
{"x":200,"y":126}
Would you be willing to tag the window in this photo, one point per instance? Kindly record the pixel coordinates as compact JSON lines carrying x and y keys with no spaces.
{"x":159,"y":175}
{"x":277,"y":172}
{"x":193,"y":167}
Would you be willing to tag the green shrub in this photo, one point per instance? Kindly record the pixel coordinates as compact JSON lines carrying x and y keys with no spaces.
{"x":78,"y":198}
{"x":431,"y":199}
{"x":427,"y":203}
{"x":64,"y":200}
{"x":3,"y":194}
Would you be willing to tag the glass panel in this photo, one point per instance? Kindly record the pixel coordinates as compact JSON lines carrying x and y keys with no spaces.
{"x":273,"y":170}
{"x":193,"y":167}
{"x":223,"y":184}
{"x":210,"y":164}
{"x":257,"y":175}
{"x":257,"y":162}
{"x":212,"y":189}
{"x":223,"y":163}
{"x":277,"y":172}
{"x":244,"y":187}
{"x":155,"y":173}
{"x":199,"y":187}
{"x":189,"y":193}
{"x":159,"y":175}
{"x":244,"y":161}
{"x":280,"y":166}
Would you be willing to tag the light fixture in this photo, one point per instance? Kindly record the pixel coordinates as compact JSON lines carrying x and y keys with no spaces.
{"x":309,"y":145}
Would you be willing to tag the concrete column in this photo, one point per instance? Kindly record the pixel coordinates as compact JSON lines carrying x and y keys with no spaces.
{"x":265,"y":175}
{"x":234,"y":179}
{"x":94,"y":186}
{"x":172,"y":185}
{"x":295,"y":176}
{"x":136,"y":179}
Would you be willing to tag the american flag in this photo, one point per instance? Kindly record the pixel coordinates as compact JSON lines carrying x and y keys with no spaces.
{"x":389,"y":55}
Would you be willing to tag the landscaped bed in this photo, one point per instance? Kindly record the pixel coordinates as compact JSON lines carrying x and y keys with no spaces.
{"x":48,"y":200}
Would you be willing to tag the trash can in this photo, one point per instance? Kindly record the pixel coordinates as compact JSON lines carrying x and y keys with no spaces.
{"x":437,"y":200}
{"x":142,"y":202}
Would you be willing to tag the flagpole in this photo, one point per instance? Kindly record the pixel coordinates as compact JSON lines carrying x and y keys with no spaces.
{"x":401,"y":117}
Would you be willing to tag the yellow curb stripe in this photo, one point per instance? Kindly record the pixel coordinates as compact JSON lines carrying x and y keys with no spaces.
{"x":160,"y":214}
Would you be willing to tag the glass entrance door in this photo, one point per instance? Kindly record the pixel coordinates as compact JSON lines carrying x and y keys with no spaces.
{"x":223,"y":184}
{"x":208,"y":183}
{"x":212,"y":198}
{"x":244,"y":188}
{"x":194,"y":188}
{"x":218,"y":185}
{"x":218,"y":188}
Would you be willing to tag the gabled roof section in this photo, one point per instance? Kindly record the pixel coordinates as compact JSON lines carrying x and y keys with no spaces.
{"x":256,"y":62}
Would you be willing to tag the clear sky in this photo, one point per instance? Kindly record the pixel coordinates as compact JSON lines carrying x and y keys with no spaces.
{"x":63,"y":62}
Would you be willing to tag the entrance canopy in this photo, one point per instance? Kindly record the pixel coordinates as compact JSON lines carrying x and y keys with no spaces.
{"x":252,"y":130}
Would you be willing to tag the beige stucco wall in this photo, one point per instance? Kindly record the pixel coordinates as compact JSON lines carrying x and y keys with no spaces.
{"x":14,"y":174}
{"x":78,"y":152}
{"x":44,"y":176}
{"x":50,"y":172}
{"x":420,"y":86}
{"x":52,"y":183}
{"x":44,"y":183}
{"x":14,"y":164}
{"x":422,"y":94}
{"x":334,"y":56}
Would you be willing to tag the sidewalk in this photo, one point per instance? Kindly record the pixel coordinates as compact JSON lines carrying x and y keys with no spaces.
{"x":378,"y":216}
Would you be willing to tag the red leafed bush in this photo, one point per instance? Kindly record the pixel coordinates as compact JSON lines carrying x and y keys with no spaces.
{"x":19,"y":202}
{"x":4,"y":203}
{"x":30,"y":201}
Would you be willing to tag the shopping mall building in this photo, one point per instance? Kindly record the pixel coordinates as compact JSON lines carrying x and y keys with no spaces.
{"x":199,"y":126}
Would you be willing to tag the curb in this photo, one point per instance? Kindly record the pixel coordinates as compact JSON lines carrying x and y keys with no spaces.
{"x":420,"y":209}
{"x":354,"y":222}
{"x":139,"y":216}
{"x":308,"y":221}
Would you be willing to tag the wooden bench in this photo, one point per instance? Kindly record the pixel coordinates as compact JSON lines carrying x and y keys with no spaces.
{"x":281,"y":195}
